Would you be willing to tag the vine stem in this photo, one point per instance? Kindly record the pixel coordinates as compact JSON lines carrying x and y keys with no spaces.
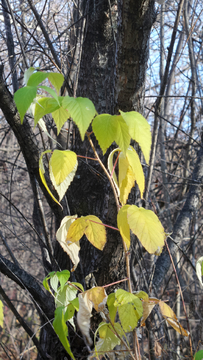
{"x":127,"y":259}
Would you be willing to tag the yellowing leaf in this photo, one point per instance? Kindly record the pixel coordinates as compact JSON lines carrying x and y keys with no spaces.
{"x":136,"y":166}
{"x":56,"y":80}
{"x":108,"y":128}
{"x":107,"y":339}
{"x":123,"y":224}
{"x":98,"y":297}
{"x":81,"y":110}
{"x":84,"y":314}
{"x":62,"y":163}
{"x":95,"y":231}
{"x":62,"y":188}
{"x":148,"y":305}
{"x":42,"y":172}
{"x":43,"y":106}
{"x":171,"y":318}
{"x":92,"y":227}
{"x":127,"y":185}
{"x":147,"y":227}
{"x":139,"y":130}
{"x":130,"y":309}
{"x":60,"y":116}
{"x":72,"y":249}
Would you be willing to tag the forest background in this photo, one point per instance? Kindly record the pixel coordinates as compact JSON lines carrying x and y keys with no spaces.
{"x":126,"y":55}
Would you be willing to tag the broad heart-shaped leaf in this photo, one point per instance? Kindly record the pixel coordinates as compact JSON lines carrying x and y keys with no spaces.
{"x":36,"y":78}
{"x":56,"y":80}
{"x":66,"y":295}
{"x":97,"y":295}
{"x":107,"y":338}
{"x":43,"y":106}
{"x":1,"y":314}
{"x":42,"y":172}
{"x":123,"y":225}
{"x":171,"y":318}
{"x":108,"y":128}
{"x":92,"y":227}
{"x":51,"y":91}
{"x":139,"y":130}
{"x":62,"y":163}
{"x":130,"y":309}
{"x":60,"y":116}
{"x":81,"y":110}
{"x":62,"y":188}
{"x":61,"y":329}
{"x":72,"y":249}
{"x":199,"y":269}
{"x":147,"y":227}
{"x":23,"y":99}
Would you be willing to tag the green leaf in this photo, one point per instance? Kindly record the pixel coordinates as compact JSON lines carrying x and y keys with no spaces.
{"x":81,"y":110}
{"x":75,"y":302}
{"x":139,"y":130}
{"x":23,"y":99}
{"x":60,"y":116}
{"x":108,"y":128}
{"x":42,"y":172}
{"x":63,"y":277}
{"x":123,"y":225}
{"x":199,"y":269}
{"x":1,"y":314}
{"x":111,"y":307}
{"x":147,"y":227}
{"x":108,"y":339}
{"x":199,"y":355}
{"x":36,"y":78}
{"x":45,"y":281}
{"x":61,"y":329}
{"x":43,"y":106}
{"x":62,"y":163}
{"x":92,"y":227}
{"x":57,"y":80}
{"x":28,"y":73}
{"x":69,"y":312}
{"x":51,"y":92}
{"x":66,"y":295}
{"x":130,"y":309}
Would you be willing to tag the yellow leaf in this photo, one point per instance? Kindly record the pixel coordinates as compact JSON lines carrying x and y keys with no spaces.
{"x":171,"y":318}
{"x":147,"y":227}
{"x":63,"y":187}
{"x":123,"y":168}
{"x":72,"y":249}
{"x":95,"y":231}
{"x":92,"y":227}
{"x":98,"y":297}
{"x":136,"y":166}
{"x":126,"y":185}
{"x":123,"y":224}
{"x":76,"y":230}
{"x":42,"y":172}
{"x":148,"y":305}
{"x":62,"y":164}
{"x":139,"y":130}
